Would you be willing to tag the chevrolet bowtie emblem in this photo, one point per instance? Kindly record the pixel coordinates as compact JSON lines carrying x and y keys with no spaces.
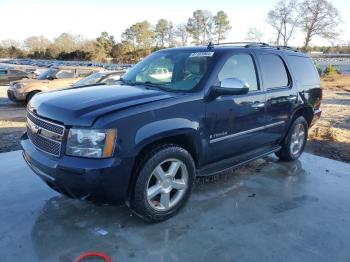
{"x":35,"y":129}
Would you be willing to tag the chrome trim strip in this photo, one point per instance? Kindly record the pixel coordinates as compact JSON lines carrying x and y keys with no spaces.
{"x":245,"y":132}
{"x":274,"y":124}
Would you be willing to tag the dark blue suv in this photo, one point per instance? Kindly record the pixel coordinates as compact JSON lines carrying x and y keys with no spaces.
{"x":178,"y":114}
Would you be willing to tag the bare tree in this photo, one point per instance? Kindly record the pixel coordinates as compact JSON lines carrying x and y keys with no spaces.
{"x":181,"y":34}
{"x":320,"y":18}
{"x":8,"y":43}
{"x":254,"y":34}
{"x":37,"y":43}
{"x":284,"y":18}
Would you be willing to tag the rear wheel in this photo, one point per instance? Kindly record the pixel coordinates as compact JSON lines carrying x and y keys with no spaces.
{"x":295,"y":141}
{"x":163,"y":184}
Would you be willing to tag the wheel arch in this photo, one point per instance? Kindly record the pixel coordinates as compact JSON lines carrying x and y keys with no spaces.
{"x":184,"y":138}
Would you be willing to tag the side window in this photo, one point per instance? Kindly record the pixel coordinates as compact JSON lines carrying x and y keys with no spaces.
{"x":240,"y":66}
{"x":155,"y":73}
{"x":274,"y":73}
{"x":65,"y":74}
{"x":3,"y":72}
{"x":83,"y":72}
{"x":304,"y":70}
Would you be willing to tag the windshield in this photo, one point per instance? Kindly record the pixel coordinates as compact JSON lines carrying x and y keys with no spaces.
{"x":47,"y":74}
{"x":171,"y":70}
{"x":90,"y":80}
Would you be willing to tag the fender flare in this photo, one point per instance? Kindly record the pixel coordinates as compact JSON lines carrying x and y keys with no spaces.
{"x":162,"y":129}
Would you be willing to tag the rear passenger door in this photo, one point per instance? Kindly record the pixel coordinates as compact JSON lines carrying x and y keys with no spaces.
{"x":236,"y":122}
{"x":281,"y":95}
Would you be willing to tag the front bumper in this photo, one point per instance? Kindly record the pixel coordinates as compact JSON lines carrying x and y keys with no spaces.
{"x":104,"y":180}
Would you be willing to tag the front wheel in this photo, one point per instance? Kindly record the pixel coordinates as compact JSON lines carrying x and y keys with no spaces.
{"x":295,"y":141}
{"x":164,"y":183}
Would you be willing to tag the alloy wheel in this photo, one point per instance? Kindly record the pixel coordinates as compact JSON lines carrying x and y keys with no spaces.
{"x":167,"y":184}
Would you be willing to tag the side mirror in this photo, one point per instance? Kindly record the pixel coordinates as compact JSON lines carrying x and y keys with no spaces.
{"x":232,"y":86}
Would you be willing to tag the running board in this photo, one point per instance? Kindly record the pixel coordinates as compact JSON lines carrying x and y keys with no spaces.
{"x":233,"y":162}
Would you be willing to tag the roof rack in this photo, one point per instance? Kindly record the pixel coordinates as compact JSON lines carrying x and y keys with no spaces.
{"x":286,"y":47}
{"x":252,"y":44}
{"x":245,"y":44}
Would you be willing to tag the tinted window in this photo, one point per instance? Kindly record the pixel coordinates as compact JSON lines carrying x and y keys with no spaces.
{"x":274,"y":73}
{"x":304,"y":70}
{"x":240,"y":66}
{"x":3,"y":72}
{"x":65,"y":74}
{"x":47,"y":74}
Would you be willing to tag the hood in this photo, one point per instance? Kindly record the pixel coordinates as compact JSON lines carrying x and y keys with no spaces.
{"x":30,"y":81}
{"x":81,"y":106}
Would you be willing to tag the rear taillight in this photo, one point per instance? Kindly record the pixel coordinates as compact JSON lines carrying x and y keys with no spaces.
{"x":318,"y":103}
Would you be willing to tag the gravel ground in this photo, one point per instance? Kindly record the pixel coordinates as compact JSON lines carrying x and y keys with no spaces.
{"x":330,"y":137}
{"x":12,"y":122}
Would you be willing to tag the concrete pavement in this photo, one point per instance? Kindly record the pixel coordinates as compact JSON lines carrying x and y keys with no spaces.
{"x":266,"y":211}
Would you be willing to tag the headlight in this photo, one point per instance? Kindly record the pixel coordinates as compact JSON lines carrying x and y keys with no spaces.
{"x":95,"y":143}
{"x":19,"y":85}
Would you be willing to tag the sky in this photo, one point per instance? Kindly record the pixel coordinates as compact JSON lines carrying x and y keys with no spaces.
{"x":20,"y":19}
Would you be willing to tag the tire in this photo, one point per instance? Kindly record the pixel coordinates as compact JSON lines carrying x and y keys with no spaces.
{"x":157,"y":181}
{"x":30,"y":96}
{"x":294,"y":143}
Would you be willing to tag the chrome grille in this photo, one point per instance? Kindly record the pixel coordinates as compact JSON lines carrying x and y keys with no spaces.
{"x":50,"y":126}
{"x":45,"y":135}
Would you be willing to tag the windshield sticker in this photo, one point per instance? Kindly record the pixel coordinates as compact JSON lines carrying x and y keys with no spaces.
{"x":200,"y":54}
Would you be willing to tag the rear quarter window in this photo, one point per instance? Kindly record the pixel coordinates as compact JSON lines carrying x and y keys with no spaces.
{"x":303,"y":70}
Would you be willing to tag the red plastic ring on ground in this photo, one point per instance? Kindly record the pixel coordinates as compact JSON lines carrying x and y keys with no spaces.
{"x":86,"y":255}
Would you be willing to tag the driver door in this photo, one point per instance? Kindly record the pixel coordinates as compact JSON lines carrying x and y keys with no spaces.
{"x":236,"y":122}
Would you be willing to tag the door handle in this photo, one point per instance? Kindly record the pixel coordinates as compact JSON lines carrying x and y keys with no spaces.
{"x":258,"y":105}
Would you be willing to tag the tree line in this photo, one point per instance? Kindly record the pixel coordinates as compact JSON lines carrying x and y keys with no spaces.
{"x":136,"y":42}
{"x":309,"y":17}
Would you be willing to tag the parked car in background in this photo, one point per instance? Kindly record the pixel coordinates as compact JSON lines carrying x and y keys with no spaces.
{"x":53,"y":78}
{"x":9,"y":75}
{"x":100,"y":78}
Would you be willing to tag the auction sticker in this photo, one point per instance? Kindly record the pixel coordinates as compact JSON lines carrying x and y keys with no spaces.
{"x":200,"y":54}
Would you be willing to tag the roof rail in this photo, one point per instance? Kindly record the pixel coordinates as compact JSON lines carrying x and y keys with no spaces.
{"x":253,"y":44}
{"x":245,"y":44}
{"x":286,"y":47}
